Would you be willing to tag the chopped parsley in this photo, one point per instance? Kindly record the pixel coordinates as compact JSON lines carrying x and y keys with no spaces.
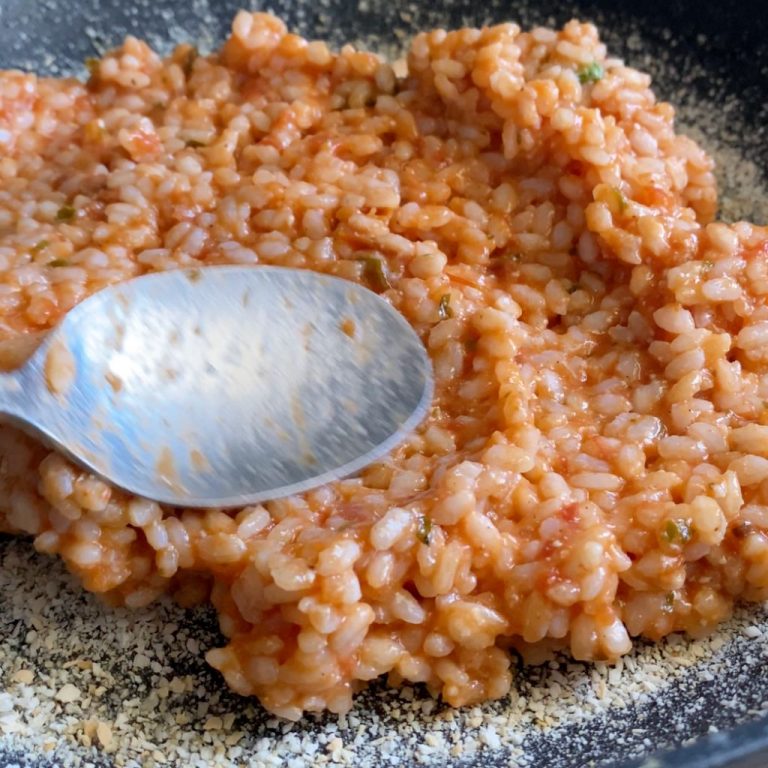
{"x":444,"y":308}
{"x":66,"y":213}
{"x":189,"y":61}
{"x":92,"y":65}
{"x":620,"y":199}
{"x":194,"y":144}
{"x":39,"y":246}
{"x":669,"y":602}
{"x":425,"y":529}
{"x":677,"y":532}
{"x":509,"y":258}
{"x":58,"y":263}
{"x":374,"y":273}
{"x":591,"y":73}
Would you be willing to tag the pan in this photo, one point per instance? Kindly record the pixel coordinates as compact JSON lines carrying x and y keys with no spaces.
{"x":139,"y":675}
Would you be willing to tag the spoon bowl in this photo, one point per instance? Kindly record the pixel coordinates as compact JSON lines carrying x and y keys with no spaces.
{"x":224,"y":386}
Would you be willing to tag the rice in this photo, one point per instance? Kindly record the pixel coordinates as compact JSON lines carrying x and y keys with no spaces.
{"x":594,"y":466}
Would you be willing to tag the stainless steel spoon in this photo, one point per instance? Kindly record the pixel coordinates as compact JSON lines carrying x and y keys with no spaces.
{"x":224,"y":386}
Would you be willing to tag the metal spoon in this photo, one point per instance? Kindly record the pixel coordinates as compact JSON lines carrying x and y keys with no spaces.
{"x":226,"y":385}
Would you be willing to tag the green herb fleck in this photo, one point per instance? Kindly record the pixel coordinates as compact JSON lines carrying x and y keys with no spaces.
{"x":92,"y":65}
{"x":425,"y":529}
{"x":669,"y":601}
{"x":374,"y":273}
{"x":436,"y":412}
{"x":190,"y":61}
{"x":39,"y":246}
{"x":677,"y":532}
{"x":58,"y":263}
{"x":444,"y":308}
{"x":621,"y":200}
{"x":194,"y":144}
{"x":509,"y":258}
{"x":591,"y":73}
{"x":65,"y":213}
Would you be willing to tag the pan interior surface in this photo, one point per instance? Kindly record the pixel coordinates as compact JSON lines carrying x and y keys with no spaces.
{"x":709,"y":61}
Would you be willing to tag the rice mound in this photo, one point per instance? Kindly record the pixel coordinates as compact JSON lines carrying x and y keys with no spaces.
{"x":595,"y":466}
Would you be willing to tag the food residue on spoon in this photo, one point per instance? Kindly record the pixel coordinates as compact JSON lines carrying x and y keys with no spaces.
{"x":297,"y":411}
{"x":114,"y":381}
{"x":59,"y":368}
{"x":348,"y":327}
{"x":166,"y":470}
{"x":306,"y":333}
{"x":119,"y":336}
{"x":299,"y":420}
{"x":198,"y":460}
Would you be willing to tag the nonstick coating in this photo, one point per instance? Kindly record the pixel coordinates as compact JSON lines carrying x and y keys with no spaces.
{"x":698,"y":51}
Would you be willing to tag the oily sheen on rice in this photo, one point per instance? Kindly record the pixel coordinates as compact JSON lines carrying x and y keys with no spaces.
{"x":595,"y":466}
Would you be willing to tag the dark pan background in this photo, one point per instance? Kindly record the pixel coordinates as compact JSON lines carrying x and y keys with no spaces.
{"x":699,"y":51}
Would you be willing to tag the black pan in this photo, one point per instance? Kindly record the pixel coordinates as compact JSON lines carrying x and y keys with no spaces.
{"x":710,"y":58}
